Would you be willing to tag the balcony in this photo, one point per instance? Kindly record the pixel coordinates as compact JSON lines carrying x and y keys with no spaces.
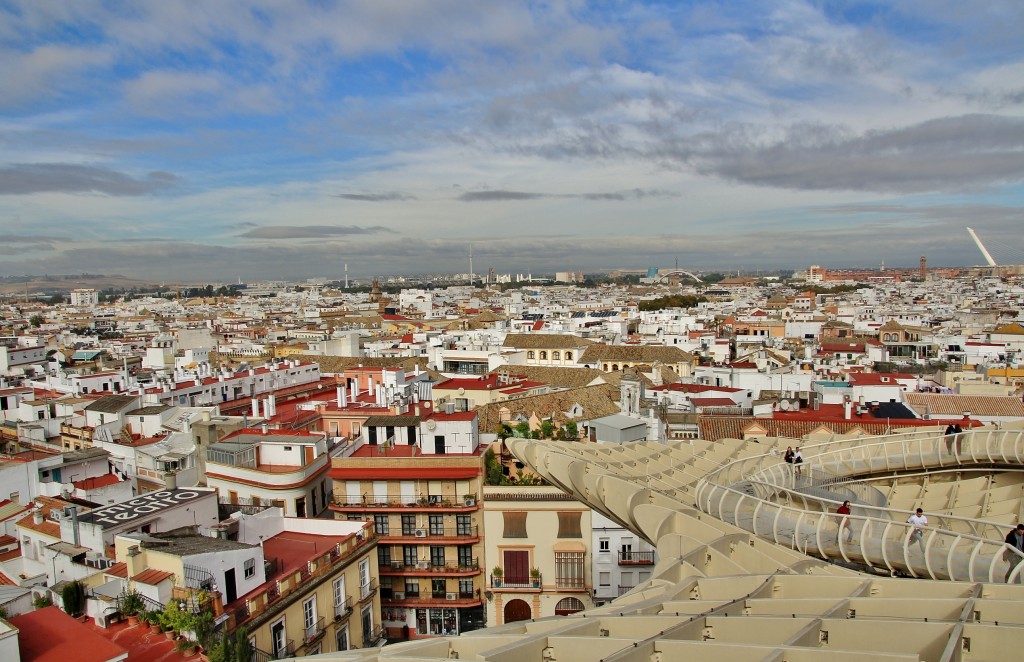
{"x":433,"y":533}
{"x":625,"y":589}
{"x":636,"y":558}
{"x":570,"y":583}
{"x":283,"y":652}
{"x":313,"y":633}
{"x":344,"y":609}
{"x":367,"y":590}
{"x":374,"y":637}
{"x":459,"y":600}
{"x":421,"y":568}
{"x":512,"y":582}
{"x":406,"y":502}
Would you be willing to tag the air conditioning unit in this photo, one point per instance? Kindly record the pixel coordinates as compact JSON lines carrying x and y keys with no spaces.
{"x":421,"y":533}
{"x":470,"y":502}
{"x":423,"y":565}
{"x":396,"y":565}
{"x":451,"y":596}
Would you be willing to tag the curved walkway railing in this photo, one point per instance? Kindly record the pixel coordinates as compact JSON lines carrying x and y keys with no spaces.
{"x":771,"y":499}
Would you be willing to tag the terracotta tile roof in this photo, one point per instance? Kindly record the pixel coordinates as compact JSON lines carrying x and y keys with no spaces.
{"x":956,"y":405}
{"x":152,"y":576}
{"x":553,"y":375}
{"x":118,"y":570}
{"x":714,"y":428}
{"x":596,"y":401}
{"x":639,"y":353}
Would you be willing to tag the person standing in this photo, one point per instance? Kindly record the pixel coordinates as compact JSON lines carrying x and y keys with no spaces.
{"x":950,"y":435}
{"x":917,"y":521}
{"x":798,"y":459}
{"x":788,"y":457}
{"x":1015,"y":547}
{"x":844,"y":521}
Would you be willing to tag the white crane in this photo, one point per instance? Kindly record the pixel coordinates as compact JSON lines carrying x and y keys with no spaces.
{"x":981,"y":247}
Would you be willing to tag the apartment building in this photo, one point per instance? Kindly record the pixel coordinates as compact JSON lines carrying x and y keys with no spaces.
{"x":283,"y":468}
{"x":538,"y":542}
{"x":299,"y":586}
{"x":621,"y":560}
{"x":425,"y":511}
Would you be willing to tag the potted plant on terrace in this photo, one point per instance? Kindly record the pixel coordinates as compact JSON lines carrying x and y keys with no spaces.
{"x":497,"y":573}
{"x":73,"y":596}
{"x":535,"y":577}
{"x":130,"y":605}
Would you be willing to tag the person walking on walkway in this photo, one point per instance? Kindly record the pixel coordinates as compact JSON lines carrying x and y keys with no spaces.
{"x":917,"y":520}
{"x":798,"y":460}
{"x":844,"y":522}
{"x":1014,"y":549}
{"x":950,"y":435}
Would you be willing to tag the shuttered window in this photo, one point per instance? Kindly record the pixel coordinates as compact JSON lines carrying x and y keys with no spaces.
{"x":569,"y":525}
{"x":515,"y":524}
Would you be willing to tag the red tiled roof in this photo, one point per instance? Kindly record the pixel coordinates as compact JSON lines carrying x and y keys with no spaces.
{"x":712,"y":402}
{"x":96,"y":482}
{"x":50,"y":635}
{"x":152,"y":576}
{"x":118,"y":570}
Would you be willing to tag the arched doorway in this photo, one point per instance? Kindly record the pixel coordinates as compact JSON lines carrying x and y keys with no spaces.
{"x":517,"y":610}
{"x":568,"y":606}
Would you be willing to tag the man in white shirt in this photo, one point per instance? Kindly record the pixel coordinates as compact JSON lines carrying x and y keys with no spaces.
{"x":917,"y":520}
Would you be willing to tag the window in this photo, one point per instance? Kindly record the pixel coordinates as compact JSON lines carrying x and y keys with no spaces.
{"x":381,"y":525}
{"x":604,"y":579}
{"x":568,"y":606}
{"x":569,"y":569}
{"x":531,"y":355}
{"x":515,"y":524}
{"x":412,"y":588}
{"x":465,"y":556}
{"x":437,"y":555}
{"x":569,"y":525}
{"x":341,"y":638}
{"x":464,"y":525}
{"x":338,"y":590}
{"x":466,"y":588}
{"x":437,"y":525}
{"x":556,"y":356}
{"x":568,"y":356}
{"x":438,"y":588}
{"x":409,"y":554}
{"x":408,"y":525}
{"x":309,"y":613}
{"x":603,"y":545}
{"x":543,"y":356}
{"x":384,"y":556}
{"x":250,"y":568}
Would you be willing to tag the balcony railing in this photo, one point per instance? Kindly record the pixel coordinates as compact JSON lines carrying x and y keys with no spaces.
{"x":285,"y":651}
{"x":407,"y":501}
{"x":374,"y":637}
{"x":636,"y":558}
{"x":570,"y":582}
{"x":344,"y":609}
{"x":511,"y":581}
{"x":625,"y":589}
{"x":367,"y":590}
{"x":313,"y":633}
{"x":437,"y":532}
{"x":426,"y":566}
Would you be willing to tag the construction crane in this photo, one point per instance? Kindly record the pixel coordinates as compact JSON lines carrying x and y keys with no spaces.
{"x":981,"y":247}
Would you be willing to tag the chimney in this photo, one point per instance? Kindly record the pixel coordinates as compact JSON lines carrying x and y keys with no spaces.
{"x":272,"y":401}
{"x":75,"y":532}
{"x":255,"y":407}
{"x":134,"y":561}
{"x":37,"y":517}
{"x":342,"y":399}
{"x":171,"y":480}
{"x":847,"y":409}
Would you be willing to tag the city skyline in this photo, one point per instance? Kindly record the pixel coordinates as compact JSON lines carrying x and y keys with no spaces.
{"x":283,"y":140}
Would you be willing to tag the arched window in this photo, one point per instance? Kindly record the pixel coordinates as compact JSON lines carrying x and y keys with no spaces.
{"x":531,"y":354}
{"x":568,"y":606}
{"x":543,"y":356}
{"x":615,"y":367}
{"x":556,"y":356}
{"x":568,"y":356}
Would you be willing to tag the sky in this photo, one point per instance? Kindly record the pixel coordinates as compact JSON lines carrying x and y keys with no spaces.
{"x":275,"y":139}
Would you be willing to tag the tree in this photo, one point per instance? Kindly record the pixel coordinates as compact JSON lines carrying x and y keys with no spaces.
{"x":522,"y":429}
{"x":36,"y":320}
{"x":547,"y":429}
{"x":571,"y":430}
{"x":73,"y":597}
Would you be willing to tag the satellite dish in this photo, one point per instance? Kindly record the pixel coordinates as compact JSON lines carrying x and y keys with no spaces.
{"x":784,"y":405}
{"x":431,"y":425}
{"x":462,"y":391}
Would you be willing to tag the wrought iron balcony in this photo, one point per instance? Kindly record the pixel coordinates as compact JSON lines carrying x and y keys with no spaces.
{"x":636,"y":558}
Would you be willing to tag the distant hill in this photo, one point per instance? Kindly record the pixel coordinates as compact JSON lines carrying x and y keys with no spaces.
{"x":54,"y":284}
